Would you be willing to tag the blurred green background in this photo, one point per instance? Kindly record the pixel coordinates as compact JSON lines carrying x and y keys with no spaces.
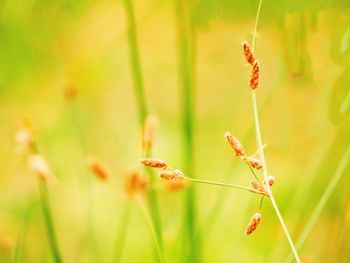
{"x":304,"y":99}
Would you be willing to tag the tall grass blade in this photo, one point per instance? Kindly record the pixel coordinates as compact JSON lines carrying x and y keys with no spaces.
{"x":186,"y":50}
{"x":44,"y":197}
{"x":323,"y":201}
{"x":142,"y":112}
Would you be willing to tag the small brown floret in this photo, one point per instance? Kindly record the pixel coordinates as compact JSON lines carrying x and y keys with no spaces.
{"x":248,"y":53}
{"x":235,"y":144}
{"x":253,"y":223}
{"x":153,"y":162}
{"x":254,"y":78}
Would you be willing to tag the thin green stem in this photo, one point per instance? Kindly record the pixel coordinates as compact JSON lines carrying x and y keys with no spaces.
{"x":322,"y":202}
{"x":17,"y":257}
{"x":261,"y":150}
{"x":254,"y":174}
{"x":122,"y":232}
{"x":224,"y":184}
{"x":256,"y":26}
{"x":265,"y":173}
{"x":44,"y":196}
{"x":186,"y":49}
{"x":153,"y":230}
{"x":135,"y":62}
{"x":142,"y":111}
{"x":261,"y":202}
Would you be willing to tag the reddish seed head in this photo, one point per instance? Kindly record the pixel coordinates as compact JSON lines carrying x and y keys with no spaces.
{"x":153,"y":162}
{"x":254,"y":78}
{"x":134,"y":184}
{"x":254,"y":162}
{"x":248,"y":53}
{"x":271,"y":180}
{"x":257,"y":186}
{"x":253,"y":223}
{"x":99,"y":169}
{"x":235,"y":144}
{"x":172,"y":175}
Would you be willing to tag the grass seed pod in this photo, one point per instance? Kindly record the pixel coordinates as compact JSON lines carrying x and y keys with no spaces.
{"x":235,"y":144}
{"x":254,"y":77}
{"x":99,"y":169}
{"x":153,"y":162}
{"x":253,"y":223}
{"x":248,"y":53}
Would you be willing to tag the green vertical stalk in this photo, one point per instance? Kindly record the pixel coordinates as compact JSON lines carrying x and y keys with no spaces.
{"x":142,"y":113}
{"x":135,"y":63}
{"x":186,"y":49}
{"x":262,"y":154}
{"x":44,"y":196}
{"x":18,"y":253}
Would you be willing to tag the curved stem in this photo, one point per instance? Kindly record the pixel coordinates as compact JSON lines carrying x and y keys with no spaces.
{"x":225,"y":184}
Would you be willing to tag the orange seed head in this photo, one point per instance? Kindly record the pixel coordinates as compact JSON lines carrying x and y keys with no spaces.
{"x":235,"y":144}
{"x":153,"y":162}
{"x":253,"y":223}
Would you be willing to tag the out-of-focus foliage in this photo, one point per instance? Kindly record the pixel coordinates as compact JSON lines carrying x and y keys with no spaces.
{"x":304,"y":99}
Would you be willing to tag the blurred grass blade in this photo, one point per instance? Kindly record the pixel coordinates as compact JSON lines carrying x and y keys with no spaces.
{"x":44,"y":196}
{"x":18,"y":254}
{"x":186,"y":50}
{"x":153,"y":231}
{"x":321,"y":204}
{"x":90,"y":231}
{"x":142,"y":112}
{"x":122,"y":232}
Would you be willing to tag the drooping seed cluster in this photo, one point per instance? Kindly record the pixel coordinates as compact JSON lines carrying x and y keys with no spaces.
{"x":173,"y":176}
{"x":254,"y":163}
{"x":154,"y":163}
{"x":253,"y":223}
{"x":255,"y":68}
{"x":239,"y":152}
{"x":259,"y":187}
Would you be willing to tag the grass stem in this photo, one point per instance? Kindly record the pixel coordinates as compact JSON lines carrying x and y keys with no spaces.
{"x":322,"y":202}
{"x":265,"y":173}
{"x":142,"y":111}
{"x":224,"y":184}
{"x":44,"y":196}
{"x":122,"y":232}
{"x":261,"y":149}
{"x":153,"y":230}
{"x":186,"y":49}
